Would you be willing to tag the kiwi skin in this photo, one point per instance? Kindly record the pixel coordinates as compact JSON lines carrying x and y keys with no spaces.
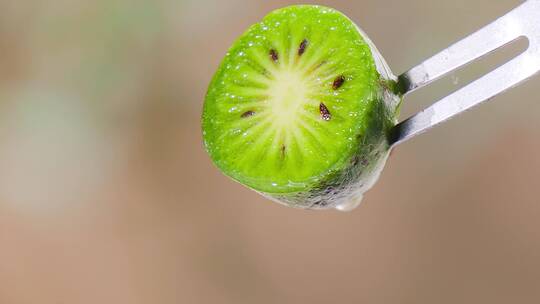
{"x":361,"y":168}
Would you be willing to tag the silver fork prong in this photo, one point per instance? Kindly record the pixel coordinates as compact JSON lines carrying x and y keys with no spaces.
{"x":494,"y":83}
{"x":495,"y":35}
{"x":524,"y":21}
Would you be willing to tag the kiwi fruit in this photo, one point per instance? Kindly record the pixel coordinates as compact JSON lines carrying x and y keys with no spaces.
{"x":300,"y":108}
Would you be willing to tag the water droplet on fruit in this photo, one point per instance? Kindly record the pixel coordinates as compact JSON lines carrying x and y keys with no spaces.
{"x":351,"y":204}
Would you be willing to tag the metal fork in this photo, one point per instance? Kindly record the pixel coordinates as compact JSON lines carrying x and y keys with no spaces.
{"x":523,"y":21}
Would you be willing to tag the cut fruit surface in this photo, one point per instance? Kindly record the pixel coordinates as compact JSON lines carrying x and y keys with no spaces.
{"x":295,"y":104}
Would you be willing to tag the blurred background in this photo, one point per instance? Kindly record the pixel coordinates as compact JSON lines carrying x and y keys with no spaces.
{"x":107,"y":195}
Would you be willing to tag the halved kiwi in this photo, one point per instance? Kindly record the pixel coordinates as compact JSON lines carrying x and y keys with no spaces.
{"x":300,"y":108}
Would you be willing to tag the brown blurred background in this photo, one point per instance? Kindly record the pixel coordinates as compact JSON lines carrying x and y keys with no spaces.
{"x":107,"y":196}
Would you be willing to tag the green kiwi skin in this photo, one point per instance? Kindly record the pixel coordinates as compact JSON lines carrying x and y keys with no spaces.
{"x":360,"y":169}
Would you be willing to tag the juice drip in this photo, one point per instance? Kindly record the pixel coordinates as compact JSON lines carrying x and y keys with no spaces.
{"x":351,"y":204}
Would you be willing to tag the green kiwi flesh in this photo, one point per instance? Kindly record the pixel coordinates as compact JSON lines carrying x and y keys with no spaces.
{"x":300,"y":108}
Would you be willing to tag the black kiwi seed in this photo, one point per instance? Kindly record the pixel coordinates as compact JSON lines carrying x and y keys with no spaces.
{"x":325,"y":114}
{"x":274,"y":55}
{"x":247,"y":114}
{"x":338,"y":82}
{"x":283,"y":147}
{"x":302,"y":47}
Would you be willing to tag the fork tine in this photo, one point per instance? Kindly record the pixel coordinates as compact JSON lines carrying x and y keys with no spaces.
{"x":503,"y":78}
{"x":495,"y":35}
{"x":523,"y":21}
